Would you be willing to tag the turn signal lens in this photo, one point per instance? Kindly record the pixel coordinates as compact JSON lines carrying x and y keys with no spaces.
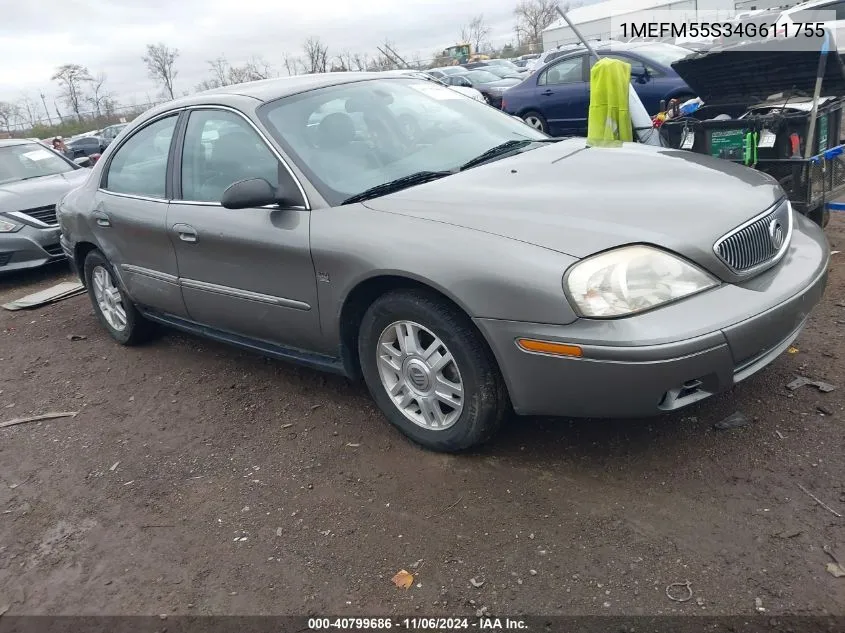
{"x":548,"y":347}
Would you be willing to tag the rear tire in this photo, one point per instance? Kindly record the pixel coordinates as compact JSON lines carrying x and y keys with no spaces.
{"x":536,"y":120}
{"x":431,"y":372}
{"x":113,"y":307}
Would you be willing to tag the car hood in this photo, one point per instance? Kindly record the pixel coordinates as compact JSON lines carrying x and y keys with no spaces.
{"x":579,"y":201}
{"x":39,"y":192}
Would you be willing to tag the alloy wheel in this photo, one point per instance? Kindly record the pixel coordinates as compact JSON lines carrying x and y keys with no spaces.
{"x":108,"y":298}
{"x":534,"y":122}
{"x":420,"y":375}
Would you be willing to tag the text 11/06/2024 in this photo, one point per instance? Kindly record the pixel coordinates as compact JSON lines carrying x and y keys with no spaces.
{"x":727,"y":30}
{"x":417,"y":624}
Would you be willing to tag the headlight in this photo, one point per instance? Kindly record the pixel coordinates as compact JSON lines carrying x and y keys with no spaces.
{"x":632,"y":279}
{"x":7,"y":226}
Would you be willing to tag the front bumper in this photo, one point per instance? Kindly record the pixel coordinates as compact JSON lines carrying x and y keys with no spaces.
{"x":672,"y":356}
{"x":28,"y":248}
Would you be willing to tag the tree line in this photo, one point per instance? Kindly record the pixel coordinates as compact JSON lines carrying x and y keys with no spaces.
{"x":87,"y":99}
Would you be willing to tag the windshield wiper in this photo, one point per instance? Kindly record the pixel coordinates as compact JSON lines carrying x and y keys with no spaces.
{"x":500,"y":151}
{"x":392,"y":186}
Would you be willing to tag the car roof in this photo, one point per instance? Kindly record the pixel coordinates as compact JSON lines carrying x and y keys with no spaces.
{"x":807,"y":5}
{"x":265,"y":90}
{"x":276,"y":88}
{"x":10,"y":142}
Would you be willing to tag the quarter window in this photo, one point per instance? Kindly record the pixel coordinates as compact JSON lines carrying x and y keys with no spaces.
{"x":139,"y":167}
{"x":220,"y":150}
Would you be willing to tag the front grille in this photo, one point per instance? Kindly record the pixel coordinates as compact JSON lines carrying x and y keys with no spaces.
{"x":46,"y":214}
{"x":4,"y":258}
{"x":54,"y":249}
{"x":758,"y":243}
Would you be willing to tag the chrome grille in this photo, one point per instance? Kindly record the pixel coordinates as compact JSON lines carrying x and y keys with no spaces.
{"x":47,"y":214}
{"x":755,"y":244}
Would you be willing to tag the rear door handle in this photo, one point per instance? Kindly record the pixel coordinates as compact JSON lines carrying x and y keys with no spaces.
{"x":186,"y":232}
{"x":102,"y":218}
{"x":547,"y":93}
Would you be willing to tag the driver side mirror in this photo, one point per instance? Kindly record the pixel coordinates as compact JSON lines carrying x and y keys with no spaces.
{"x":84,"y":161}
{"x":253,"y":192}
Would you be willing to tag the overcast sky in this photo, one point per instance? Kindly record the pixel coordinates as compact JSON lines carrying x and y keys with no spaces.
{"x":39,"y":35}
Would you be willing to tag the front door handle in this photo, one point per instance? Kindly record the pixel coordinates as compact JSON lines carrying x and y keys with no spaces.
{"x":547,"y":93}
{"x":186,"y":232}
{"x":102,"y":218}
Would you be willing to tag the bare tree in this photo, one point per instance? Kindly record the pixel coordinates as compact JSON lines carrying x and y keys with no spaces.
{"x":255,"y":69}
{"x":71,"y":78}
{"x":98,"y":94}
{"x":29,"y":109}
{"x":360,"y":62}
{"x":8,"y":114}
{"x":532,"y":16}
{"x":316,"y":55}
{"x":476,"y":33}
{"x":219,"y":72}
{"x":344,"y":62}
{"x":291,"y":64}
{"x":160,"y":61}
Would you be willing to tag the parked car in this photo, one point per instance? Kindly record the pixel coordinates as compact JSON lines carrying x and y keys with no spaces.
{"x":472,"y":93}
{"x":484,"y":267}
{"x":801,"y":20}
{"x":500,"y":67}
{"x":491,"y":86}
{"x":506,"y":63}
{"x":556,"y":98}
{"x":501,"y":72}
{"x":33,"y":178}
{"x":549,"y":56}
{"x":446,"y":71}
{"x":109,"y":133}
{"x":84,"y":146}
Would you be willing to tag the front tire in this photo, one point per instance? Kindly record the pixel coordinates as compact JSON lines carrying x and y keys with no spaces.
{"x":114,"y":309}
{"x":536,"y":120}
{"x":430,"y":371}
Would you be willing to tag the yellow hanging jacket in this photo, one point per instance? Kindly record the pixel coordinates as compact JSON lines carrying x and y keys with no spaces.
{"x":609,"y":120}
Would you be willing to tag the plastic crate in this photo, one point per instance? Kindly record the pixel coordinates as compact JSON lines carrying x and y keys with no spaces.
{"x":725,"y":138}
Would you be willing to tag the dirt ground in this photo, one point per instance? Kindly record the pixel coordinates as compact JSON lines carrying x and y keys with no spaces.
{"x":200,"y":479}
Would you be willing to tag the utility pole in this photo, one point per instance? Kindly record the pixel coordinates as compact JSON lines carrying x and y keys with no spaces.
{"x":407,"y":65}
{"x":389,"y":58}
{"x":46,"y":109}
{"x":58,"y":113}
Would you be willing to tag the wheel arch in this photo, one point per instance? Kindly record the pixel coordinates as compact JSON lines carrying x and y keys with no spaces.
{"x":80,"y":252}
{"x":365,"y":292}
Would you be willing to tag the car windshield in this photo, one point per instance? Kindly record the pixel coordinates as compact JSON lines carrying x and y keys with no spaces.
{"x":355,"y":136}
{"x":29,"y":160}
{"x":482,"y":76}
{"x":452,"y":70}
{"x":663,"y":54}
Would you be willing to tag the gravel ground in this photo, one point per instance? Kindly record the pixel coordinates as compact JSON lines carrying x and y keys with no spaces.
{"x":200,"y":479}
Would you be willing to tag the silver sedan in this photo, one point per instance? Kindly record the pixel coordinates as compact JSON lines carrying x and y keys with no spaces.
{"x":464,"y":266}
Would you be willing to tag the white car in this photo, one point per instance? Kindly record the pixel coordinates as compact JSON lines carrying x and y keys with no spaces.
{"x":472,"y":93}
{"x":550,"y":55}
{"x":807,"y":14}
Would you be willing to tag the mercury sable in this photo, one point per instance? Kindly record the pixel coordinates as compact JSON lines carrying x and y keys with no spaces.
{"x":474,"y":267}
